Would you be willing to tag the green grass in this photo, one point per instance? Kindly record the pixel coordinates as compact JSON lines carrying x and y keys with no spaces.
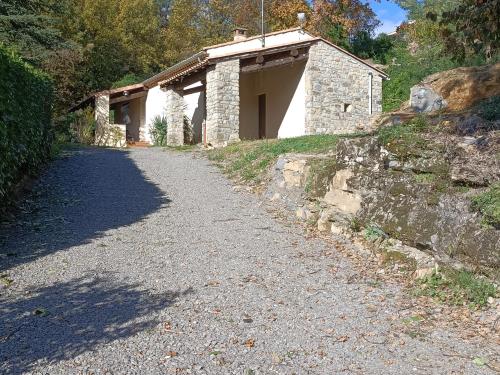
{"x":425,"y":178}
{"x":457,"y":288}
{"x":373,"y":232}
{"x":488,"y":204}
{"x":250,"y":159}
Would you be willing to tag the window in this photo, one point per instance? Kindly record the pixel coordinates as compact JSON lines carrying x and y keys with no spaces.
{"x":347,"y":107}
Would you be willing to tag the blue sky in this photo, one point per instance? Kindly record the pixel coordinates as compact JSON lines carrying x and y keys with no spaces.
{"x":390,"y":14}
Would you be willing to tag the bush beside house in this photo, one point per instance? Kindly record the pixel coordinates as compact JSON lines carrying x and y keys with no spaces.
{"x":26,"y":96}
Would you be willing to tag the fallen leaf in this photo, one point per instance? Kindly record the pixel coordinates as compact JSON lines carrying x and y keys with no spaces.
{"x":171,"y":354}
{"x":342,"y":338}
{"x":250,"y":343}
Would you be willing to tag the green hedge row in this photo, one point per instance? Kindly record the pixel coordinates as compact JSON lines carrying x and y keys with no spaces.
{"x":25,"y":115}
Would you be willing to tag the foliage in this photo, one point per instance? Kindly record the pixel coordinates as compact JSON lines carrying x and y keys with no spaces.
{"x":82,"y":126}
{"x":362,"y":45}
{"x":489,"y":109}
{"x":158,"y":131}
{"x":417,"y":9}
{"x":457,"y":288}
{"x":250,"y":159}
{"x":30,"y":28}
{"x":127,"y":80}
{"x":407,"y":69}
{"x":373,"y":232}
{"x":471,"y":28}
{"x":488,"y":203}
{"x":25,"y":116}
{"x":283,"y":14}
{"x":352,"y":16}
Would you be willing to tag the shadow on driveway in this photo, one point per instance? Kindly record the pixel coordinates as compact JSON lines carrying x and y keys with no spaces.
{"x":81,"y":196}
{"x":69,"y":318}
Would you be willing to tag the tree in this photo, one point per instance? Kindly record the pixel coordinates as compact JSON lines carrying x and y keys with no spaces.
{"x":472,"y":28}
{"x":30,"y":27}
{"x":183,"y":35}
{"x":377,"y":49}
{"x":283,"y":14}
{"x":340,"y":20}
{"x":418,"y":9}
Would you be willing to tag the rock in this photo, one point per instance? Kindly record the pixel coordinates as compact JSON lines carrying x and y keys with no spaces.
{"x":276,"y":197}
{"x":301,"y":213}
{"x":424,"y":99}
{"x":459,"y":88}
{"x":470,"y":125}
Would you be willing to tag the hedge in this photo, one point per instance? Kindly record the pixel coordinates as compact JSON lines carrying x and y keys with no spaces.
{"x":25,"y":115}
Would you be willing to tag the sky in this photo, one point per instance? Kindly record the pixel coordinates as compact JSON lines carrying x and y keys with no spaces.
{"x":390,"y":14}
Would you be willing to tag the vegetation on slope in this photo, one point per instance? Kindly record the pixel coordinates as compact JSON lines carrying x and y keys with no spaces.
{"x":249,"y":160}
{"x":488,"y":203}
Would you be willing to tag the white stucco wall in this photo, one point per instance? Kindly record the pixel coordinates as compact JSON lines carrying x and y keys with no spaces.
{"x":195,"y":111}
{"x":155,"y":106}
{"x":285,"y":102}
{"x":293,"y":36}
{"x":294,"y":123}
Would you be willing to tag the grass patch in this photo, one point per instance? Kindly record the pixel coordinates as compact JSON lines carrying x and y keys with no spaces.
{"x":405,"y":140}
{"x":425,"y":178}
{"x":373,"y":233}
{"x":488,"y":204}
{"x":250,"y":159}
{"x":457,"y":288}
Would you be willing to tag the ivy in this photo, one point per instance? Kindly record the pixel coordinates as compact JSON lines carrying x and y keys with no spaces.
{"x":25,"y":117}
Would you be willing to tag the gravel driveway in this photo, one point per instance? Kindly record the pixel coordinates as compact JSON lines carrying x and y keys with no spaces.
{"x":148,"y":262}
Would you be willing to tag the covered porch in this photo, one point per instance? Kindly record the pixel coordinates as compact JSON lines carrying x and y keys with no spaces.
{"x":247,"y":95}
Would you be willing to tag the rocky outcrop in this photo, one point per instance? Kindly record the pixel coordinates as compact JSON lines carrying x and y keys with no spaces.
{"x":456,"y":89}
{"x":422,"y":201}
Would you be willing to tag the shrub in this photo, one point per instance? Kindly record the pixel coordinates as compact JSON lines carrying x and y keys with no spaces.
{"x":489,"y":109}
{"x":26,"y":97}
{"x":158,"y":130}
{"x":82,"y":126}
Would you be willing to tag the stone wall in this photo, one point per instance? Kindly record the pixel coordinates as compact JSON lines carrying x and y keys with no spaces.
{"x":106,"y":134}
{"x":223,"y":103}
{"x":419,"y":202}
{"x":337,"y":97}
{"x":175,"y":117}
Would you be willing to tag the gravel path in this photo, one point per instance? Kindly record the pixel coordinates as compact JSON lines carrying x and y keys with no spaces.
{"x":148,"y":262}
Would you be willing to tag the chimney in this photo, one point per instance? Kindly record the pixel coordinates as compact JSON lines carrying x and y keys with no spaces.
{"x":240,"y":34}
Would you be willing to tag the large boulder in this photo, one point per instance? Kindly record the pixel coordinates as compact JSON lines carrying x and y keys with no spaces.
{"x":456,"y":89}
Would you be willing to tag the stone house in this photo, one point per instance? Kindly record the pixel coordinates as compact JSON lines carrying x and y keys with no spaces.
{"x":288,"y":84}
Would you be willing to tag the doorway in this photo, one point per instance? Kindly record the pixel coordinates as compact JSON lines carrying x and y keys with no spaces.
{"x":262,"y":116}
